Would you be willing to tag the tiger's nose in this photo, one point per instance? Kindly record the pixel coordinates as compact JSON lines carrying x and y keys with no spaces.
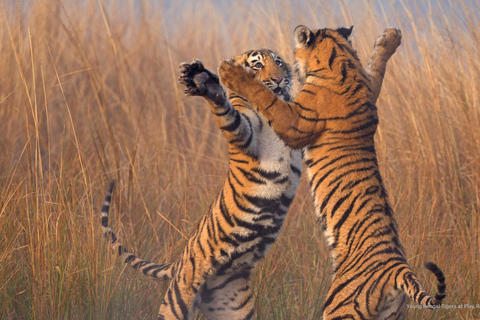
{"x":277,"y":80}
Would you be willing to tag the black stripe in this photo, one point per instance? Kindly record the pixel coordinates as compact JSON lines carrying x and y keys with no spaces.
{"x":129,"y":259}
{"x":230,"y":173}
{"x":282,"y":180}
{"x":346,"y":173}
{"x":180,"y":302}
{"x":332,"y":57}
{"x":263,"y":203}
{"x":308,"y":91}
{"x":238,"y":160}
{"x":234,"y":125}
{"x":353,"y":184}
{"x":249,"y":316}
{"x":150,"y":268}
{"x":211,"y":229}
{"x":244,"y":303}
{"x":271,"y":104}
{"x":318,"y":70}
{"x":344,"y":73}
{"x":242,"y":207}
{"x":301,"y":116}
{"x":224,"y":211}
{"x":302,"y":107}
{"x":327,"y":198}
{"x":249,"y":140}
{"x":247,"y":143}
{"x":170,"y":304}
{"x":319,"y":181}
{"x":339,"y":203}
{"x":356,"y":89}
{"x":346,"y":214}
{"x":286,"y":201}
{"x":104,"y":221}
{"x":295,"y":170}
{"x":221,"y":114}
{"x":111,"y":236}
{"x":236,"y":96}
{"x":202,"y":250}
{"x":235,"y":276}
{"x":265,"y":174}
{"x":250,"y":177}
{"x":372,"y":122}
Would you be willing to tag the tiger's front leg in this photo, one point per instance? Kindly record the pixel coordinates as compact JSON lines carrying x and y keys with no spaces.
{"x":235,"y":125}
{"x":284,"y":117}
{"x":384,"y":47}
{"x":244,"y":82}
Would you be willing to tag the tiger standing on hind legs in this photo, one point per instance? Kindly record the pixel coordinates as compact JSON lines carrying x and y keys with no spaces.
{"x":334,"y":118}
{"x":214,"y":273}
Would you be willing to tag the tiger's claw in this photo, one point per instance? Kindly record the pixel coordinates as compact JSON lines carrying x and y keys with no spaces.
{"x":200,"y":81}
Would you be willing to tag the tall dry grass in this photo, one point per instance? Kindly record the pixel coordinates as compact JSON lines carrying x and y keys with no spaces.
{"x":89,"y":94}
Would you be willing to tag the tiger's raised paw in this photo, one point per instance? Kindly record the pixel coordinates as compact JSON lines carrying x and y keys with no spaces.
{"x":235,"y":76}
{"x":200,"y":81}
{"x":388,"y":42}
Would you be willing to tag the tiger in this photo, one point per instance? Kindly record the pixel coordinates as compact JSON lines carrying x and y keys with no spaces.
{"x":213,"y":274}
{"x":333,"y":119}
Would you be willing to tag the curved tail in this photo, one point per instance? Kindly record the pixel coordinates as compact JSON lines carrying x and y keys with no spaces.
{"x":440,"y":295}
{"x":414,"y":290}
{"x":158,"y":271}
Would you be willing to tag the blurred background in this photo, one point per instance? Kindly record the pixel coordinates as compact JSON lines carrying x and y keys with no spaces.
{"x":88,"y":94}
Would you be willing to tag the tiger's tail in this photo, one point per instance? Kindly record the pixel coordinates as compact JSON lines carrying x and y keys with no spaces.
{"x":414,"y":290}
{"x":158,"y":271}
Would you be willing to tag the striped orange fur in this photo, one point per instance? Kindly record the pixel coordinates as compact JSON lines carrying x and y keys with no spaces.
{"x":213,"y":274}
{"x":334,"y":118}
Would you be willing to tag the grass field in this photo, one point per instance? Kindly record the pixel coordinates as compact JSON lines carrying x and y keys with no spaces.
{"x":88,"y":93}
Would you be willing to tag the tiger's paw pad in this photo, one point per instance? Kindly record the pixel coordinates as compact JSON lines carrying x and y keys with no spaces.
{"x":233,"y":75}
{"x":389,"y":41}
{"x":198,"y":80}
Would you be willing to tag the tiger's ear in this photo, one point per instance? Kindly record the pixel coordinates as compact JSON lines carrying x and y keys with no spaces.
{"x":303,"y":36}
{"x":345,"y":32}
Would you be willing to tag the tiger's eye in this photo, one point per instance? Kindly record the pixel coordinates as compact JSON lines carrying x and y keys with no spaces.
{"x":258,"y":65}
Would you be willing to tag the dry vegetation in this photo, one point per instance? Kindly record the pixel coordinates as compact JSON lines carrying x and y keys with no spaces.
{"x":88,"y":93}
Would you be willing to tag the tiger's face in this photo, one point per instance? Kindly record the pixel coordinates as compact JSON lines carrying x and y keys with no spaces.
{"x":317,"y":49}
{"x":272,"y":70}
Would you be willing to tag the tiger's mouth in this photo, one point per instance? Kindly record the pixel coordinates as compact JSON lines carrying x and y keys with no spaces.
{"x":277,"y":90}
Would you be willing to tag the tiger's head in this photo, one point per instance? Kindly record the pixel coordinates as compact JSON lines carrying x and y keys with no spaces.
{"x":322,"y":49}
{"x":325,"y":58}
{"x":270,"y":68}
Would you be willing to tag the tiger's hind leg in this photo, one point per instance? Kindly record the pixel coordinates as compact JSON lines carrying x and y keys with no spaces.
{"x":179,"y":302}
{"x":385,"y":46}
{"x":393,"y":305}
{"x":228,"y":297}
{"x":182,"y":297}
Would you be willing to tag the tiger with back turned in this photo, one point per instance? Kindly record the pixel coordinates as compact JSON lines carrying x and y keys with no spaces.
{"x":213,"y":274}
{"x":334,"y":118}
